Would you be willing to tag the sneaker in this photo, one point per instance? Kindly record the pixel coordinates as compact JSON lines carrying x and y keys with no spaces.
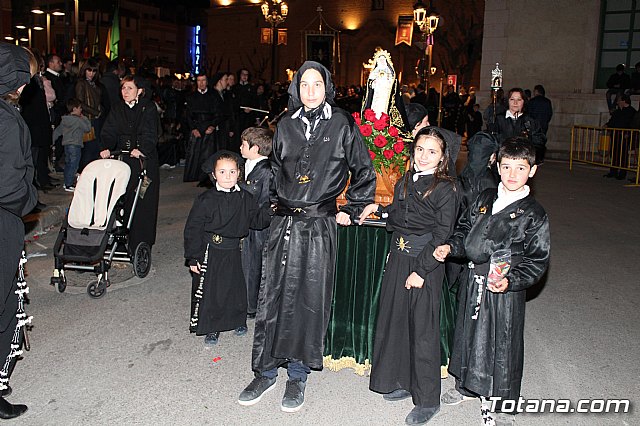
{"x":69,"y":188}
{"x":397,"y":395}
{"x":241,"y":331}
{"x":421,"y":415}
{"x":293,"y":398}
{"x":211,"y":339}
{"x":252,"y":394}
{"x":453,"y":397}
{"x":504,"y":419}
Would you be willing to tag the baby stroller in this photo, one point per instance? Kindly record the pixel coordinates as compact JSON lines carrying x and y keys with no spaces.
{"x":94,"y":233}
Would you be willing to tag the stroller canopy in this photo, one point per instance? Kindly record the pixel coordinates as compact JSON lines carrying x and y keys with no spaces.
{"x":99,"y":187}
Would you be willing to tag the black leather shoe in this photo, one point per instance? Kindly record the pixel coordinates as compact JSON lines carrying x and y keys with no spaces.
{"x":10,"y":411}
{"x":6,"y":392}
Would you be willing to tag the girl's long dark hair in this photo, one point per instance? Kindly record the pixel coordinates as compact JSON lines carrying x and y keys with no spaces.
{"x":442,"y":170}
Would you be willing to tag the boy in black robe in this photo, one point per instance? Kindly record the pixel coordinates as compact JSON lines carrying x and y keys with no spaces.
{"x":315,"y":148}
{"x":218,"y":219}
{"x":488,"y":352}
{"x":255,"y":149}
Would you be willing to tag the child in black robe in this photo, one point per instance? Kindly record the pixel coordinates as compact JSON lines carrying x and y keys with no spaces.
{"x":488,"y":352}
{"x":218,"y":219}
{"x":255,"y":148}
{"x":406,"y":350}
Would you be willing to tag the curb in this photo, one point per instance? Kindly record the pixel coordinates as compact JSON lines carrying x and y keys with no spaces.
{"x":39,"y":223}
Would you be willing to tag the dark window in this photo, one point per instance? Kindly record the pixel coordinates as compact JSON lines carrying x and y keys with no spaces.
{"x":620,"y":38}
{"x":377,"y":4}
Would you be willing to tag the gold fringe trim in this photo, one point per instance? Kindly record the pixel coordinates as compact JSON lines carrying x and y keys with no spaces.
{"x":362,"y":369}
{"x":444,"y":371}
{"x":347,"y":362}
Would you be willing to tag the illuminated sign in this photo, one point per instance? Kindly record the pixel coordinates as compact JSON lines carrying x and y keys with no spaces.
{"x":196,"y":50}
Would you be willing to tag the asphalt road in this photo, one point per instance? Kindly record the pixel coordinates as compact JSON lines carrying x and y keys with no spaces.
{"x":128,"y":358}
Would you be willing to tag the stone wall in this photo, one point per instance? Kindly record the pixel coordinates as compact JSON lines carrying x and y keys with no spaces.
{"x":550,"y":43}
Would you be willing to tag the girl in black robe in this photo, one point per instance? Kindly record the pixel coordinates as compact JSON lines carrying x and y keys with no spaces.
{"x":218,"y":219}
{"x":132,"y":125}
{"x":406,"y":350}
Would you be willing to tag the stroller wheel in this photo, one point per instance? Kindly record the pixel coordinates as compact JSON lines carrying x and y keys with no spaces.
{"x":97,"y":290}
{"x":142,"y":260}
{"x":61,"y":285}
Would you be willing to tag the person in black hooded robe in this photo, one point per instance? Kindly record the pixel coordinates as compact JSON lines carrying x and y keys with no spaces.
{"x":316,"y":148}
{"x":17,"y":197}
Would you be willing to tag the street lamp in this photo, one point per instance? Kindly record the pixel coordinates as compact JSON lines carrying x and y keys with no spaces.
{"x":427,"y":21}
{"x":275,"y":13}
{"x":40,"y":11}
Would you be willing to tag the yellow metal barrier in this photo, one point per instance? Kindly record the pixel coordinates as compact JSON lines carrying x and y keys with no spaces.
{"x":606,"y":147}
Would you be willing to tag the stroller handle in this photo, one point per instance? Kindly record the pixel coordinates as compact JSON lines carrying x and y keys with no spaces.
{"x":120,"y":153}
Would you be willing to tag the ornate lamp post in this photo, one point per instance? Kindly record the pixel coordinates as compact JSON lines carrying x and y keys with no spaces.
{"x":427,"y":21}
{"x":275,"y":13}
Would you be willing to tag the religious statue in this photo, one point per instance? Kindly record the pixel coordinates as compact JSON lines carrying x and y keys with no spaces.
{"x":382,"y":92}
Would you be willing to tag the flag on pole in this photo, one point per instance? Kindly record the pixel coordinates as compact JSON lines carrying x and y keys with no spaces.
{"x":113,"y":37}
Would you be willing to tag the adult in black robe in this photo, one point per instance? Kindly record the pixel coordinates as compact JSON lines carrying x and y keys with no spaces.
{"x":217,"y":221}
{"x":203,"y":116}
{"x":488,"y":351}
{"x":314,"y":149}
{"x":17,"y":197}
{"x":133,"y":127}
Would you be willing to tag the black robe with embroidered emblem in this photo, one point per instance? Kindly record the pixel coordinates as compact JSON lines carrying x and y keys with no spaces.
{"x":488,"y":352}
{"x":222,"y":301}
{"x":294,"y":301}
{"x":406,"y":351}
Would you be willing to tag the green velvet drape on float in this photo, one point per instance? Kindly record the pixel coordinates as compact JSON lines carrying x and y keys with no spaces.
{"x":362,"y":254}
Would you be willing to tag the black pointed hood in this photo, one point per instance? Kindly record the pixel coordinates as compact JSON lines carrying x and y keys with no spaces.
{"x":294,"y":87}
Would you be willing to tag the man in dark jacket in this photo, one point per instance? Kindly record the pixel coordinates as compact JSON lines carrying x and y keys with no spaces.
{"x":317,"y":146}
{"x":618,"y":83}
{"x":539,"y":107}
{"x":620,"y":119}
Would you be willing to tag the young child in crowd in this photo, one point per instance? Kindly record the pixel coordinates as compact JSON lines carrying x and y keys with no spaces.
{"x":218,"y":219}
{"x":255,"y":148}
{"x":488,"y":352}
{"x":72,"y":128}
{"x":406,"y":351}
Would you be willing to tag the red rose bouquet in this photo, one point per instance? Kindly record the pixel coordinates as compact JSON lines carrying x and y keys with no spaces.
{"x":386,"y":147}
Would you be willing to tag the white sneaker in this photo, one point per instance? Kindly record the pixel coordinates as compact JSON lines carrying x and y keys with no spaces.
{"x":69,"y":188}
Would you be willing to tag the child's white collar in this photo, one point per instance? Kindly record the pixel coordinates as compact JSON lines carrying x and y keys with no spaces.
{"x":505,"y":198}
{"x":235,"y":188}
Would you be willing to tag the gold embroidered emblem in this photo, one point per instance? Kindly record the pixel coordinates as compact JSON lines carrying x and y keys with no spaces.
{"x":298,"y":210}
{"x":217,"y":239}
{"x":304,"y":179}
{"x":483,"y":210}
{"x":402,"y":244}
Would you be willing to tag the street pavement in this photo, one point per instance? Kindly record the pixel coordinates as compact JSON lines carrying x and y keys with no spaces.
{"x":128,"y":357}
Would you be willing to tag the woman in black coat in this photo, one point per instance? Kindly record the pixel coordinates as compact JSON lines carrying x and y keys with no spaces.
{"x":515,"y":122}
{"x":132,"y":125}
{"x":17,"y":197}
